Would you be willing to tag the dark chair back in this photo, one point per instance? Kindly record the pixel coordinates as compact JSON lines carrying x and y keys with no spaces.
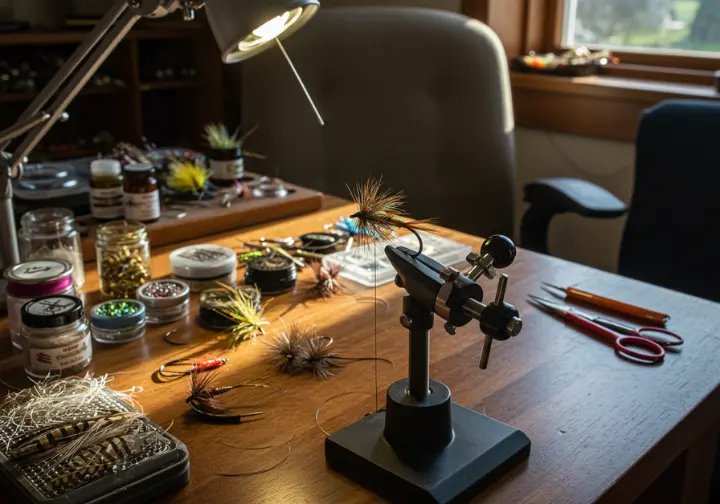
{"x":672,"y":237}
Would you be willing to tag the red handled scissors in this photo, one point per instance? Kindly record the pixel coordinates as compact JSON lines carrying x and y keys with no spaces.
{"x":626,"y":338}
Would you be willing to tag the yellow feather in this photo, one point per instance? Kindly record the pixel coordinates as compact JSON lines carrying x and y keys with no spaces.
{"x":186,"y":176}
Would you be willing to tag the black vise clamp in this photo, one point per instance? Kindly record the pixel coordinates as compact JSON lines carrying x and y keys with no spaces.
{"x":457,"y":298}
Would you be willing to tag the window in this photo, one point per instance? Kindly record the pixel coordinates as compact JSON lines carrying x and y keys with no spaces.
{"x":679,"y":27}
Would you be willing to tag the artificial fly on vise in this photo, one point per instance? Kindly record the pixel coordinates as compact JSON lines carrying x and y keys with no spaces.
{"x":298,"y":349}
{"x":203,"y":398}
{"x":380,"y":213}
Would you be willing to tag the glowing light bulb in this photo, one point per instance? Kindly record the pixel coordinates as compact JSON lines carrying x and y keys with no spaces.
{"x":273,"y":28}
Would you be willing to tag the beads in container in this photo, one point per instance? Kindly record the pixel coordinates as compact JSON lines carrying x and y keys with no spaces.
{"x":123,"y":258}
{"x":202,"y":267}
{"x":118,"y":321}
{"x":50,"y":233}
{"x":30,"y":280}
{"x":165,"y":301}
{"x":56,"y":336}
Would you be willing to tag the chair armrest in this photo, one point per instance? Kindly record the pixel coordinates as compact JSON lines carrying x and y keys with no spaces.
{"x":548,"y":197}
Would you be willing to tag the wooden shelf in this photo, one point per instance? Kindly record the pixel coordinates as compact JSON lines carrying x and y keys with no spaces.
{"x":102,"y":90}
{"x":77,"y":36}
{"x":168,"y":84}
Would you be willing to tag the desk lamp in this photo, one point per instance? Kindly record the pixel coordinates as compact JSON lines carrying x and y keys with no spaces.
{"x":242,"y":28}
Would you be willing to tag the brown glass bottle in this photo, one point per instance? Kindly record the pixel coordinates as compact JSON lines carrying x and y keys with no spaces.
{"x":142,"y":195}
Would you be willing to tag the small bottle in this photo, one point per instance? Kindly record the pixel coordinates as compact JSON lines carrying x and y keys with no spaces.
{"x":142,"y":196}
{"x":56,"y":336}
{"x":106,"y":190}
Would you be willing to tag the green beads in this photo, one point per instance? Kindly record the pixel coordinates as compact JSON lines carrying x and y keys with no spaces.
{"x":117,"y":309}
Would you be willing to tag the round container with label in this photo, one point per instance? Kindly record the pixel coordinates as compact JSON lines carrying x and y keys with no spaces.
{"x":165,"y":300}
{"x":141,"y":192}
{"x":106,"y":190}
{"x":118,"y":321}
{"x":226,"y":166}
{"x":204,"y":266}
{"x":34,"y":279}
{"x":56,"y":336}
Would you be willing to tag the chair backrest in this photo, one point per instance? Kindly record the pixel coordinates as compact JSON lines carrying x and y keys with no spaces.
{"x":419,"y":96}
{"x":672,"y":237}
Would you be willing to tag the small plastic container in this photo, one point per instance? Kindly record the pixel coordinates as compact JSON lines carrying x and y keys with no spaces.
{"x":202,"y":267}
{"x":118,"y":321}
{"x":34,"y":279}
{"x":56,"y":336}
{"x":165,"y":301}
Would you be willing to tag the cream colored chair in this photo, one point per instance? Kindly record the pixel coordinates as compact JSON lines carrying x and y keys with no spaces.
{"x":419,"y":96}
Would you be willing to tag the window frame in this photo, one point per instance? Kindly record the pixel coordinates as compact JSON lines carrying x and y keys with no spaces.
{"x":608,"y":105}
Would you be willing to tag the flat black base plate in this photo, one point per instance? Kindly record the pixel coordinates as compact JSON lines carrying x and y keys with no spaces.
{"x":482,"y":450}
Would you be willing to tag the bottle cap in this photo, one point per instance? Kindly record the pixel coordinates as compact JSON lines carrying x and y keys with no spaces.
{"x":107,"y":167}
{"x":51,"y":311}
{"x":39,"y":271}
{"x":136,"y":168}
{"x":203,"y":261}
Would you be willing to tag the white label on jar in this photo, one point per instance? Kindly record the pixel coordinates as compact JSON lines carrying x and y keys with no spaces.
{"x":227,"y":170}
{"x":107,"y":203}
{"x":142,"y":206}
{"x":43,"y":360}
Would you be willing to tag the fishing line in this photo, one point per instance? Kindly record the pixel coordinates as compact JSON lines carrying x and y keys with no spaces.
{"x":377,"y":404}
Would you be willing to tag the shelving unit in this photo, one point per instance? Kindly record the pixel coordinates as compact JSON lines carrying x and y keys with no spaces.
{"x":166,"y":112}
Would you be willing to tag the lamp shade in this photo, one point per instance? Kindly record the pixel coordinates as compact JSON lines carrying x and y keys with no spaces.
{"x":244,"y":28}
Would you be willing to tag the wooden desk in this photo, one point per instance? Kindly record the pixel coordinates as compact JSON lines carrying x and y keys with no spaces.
{"x":602,"y":429}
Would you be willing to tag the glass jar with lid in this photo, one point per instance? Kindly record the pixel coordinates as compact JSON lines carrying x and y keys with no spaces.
{"x":141,"y":193}
{"x":56,"y":336}
{"x":123,"y":258}
{"x":106,"y":190}
{"x":50,"y":233}
{"x":34,"y":279}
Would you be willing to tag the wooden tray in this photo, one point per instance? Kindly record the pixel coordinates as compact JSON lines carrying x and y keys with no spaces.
{"x":201,"y":221}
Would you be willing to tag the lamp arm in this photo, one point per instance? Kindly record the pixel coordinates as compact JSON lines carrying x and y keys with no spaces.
{"x":38,"y":104}
{"x":98,"y":52}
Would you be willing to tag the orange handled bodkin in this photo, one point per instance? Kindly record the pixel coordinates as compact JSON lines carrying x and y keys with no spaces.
{"x":612,"y":304}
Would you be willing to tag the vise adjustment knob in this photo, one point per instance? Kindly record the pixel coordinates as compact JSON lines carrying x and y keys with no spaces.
{"x":499,"y":320}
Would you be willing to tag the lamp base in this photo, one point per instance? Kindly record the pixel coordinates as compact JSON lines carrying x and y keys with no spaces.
{"x":481,"y":451}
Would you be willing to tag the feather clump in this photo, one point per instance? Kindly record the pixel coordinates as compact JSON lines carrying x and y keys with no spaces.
{"x":299,"y":349}
{"x":326,"y":279}
{"x":248,"y":318}
{"x":188,"y":177}
{"x":218,"y":137}
{"x":380,"y":213}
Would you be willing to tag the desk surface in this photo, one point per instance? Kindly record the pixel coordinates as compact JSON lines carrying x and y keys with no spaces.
{"x":601,"y":427}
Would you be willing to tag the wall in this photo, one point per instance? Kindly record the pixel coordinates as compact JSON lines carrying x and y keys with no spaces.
{"x":606,"y":163}
{"x":453,"y":5}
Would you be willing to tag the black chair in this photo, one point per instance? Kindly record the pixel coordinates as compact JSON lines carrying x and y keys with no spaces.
{"x":676,"y":196}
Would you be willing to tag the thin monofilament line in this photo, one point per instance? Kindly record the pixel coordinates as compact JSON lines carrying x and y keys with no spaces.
{"x":377,"y":404}
{"x":302,"y":84}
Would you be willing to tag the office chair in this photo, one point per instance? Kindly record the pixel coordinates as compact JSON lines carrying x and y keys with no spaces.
{"x":672,"y":236}
{"x":419,"y":96}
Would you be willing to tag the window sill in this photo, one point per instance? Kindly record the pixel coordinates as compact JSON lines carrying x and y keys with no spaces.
{"x":596,"y":106}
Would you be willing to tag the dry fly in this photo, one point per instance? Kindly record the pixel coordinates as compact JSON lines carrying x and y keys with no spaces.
{"x":380,"y":212}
